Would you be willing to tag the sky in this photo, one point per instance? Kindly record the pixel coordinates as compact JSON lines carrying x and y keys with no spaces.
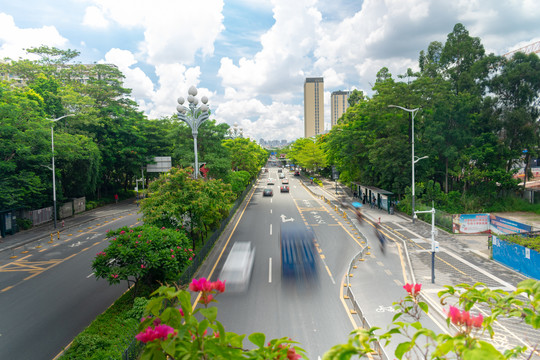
{"x":251,"y":57}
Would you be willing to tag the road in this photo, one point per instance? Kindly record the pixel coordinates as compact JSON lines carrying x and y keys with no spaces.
{"x":48,"y":294}
{"x":310,"y":313}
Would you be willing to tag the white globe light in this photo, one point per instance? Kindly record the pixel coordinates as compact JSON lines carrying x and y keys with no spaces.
{"x":204,"y":99}
{"x":181,"y":109}
{"x":192,"y":90}
{"x":204,"y":108}
{"x":181,"y":100}
{"x":195,"y":101}
{"x":190,"y":98}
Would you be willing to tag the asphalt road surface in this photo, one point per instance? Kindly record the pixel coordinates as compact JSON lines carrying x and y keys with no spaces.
{"x":312,"y":313}
{"x":48,"y":293}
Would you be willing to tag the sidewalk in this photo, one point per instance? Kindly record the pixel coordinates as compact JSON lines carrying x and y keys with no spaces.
{"x":460,"y":259}
{"x":44,"y":231}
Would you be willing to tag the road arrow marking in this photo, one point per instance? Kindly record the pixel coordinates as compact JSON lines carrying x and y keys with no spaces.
{"x":284,"y":218}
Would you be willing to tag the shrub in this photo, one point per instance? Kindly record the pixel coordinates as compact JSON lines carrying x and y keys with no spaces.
{"x":24,"y":224}
{"x":532,"y":242}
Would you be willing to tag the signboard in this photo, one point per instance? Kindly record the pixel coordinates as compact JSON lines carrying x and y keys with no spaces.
{"x":162,"y":164}
{"x":335,"y":173}
{"x":499,"y":225}
{"x":470,"y":223}
{"x":282,"y":156}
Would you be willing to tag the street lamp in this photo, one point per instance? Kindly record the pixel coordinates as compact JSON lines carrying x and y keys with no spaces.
{"x":414,"y":159}
{"x":235,"y":131}
{"x":193,"y":116}
{"x":53,"y":173}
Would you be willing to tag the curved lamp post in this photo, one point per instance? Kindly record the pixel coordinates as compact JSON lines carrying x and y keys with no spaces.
{"x":193,"y":116}
{"x":235,"y":131}
{"x":53,"y":174}
{"x":414,"y":159}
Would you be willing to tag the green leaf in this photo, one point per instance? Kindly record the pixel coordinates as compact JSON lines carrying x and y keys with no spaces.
{"x":210,"y":314}
{"x":482,"y":351}
{"x":257,"y":339}
{"x":423,"y":306}
{"x":402,"y":349}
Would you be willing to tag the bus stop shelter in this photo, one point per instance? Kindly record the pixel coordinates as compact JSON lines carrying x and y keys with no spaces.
{"x":372,"y":196}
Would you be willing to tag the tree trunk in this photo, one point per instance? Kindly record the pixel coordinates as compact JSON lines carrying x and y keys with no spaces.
{"x":526,"y":172}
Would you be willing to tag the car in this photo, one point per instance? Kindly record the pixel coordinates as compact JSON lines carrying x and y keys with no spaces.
{"x":279,"y":170}
{"x":284,"y":188}
{"x":237,"y":269}
{"x":270,"y":181}
{"x":297,"y":173}
{"x":268,"y":192}
{"x":285,"y":181}
{"x":298,"y":252}
{"x":281,"y":175}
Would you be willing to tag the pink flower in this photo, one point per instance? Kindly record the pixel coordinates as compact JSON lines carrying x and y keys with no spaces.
{"x":408,"y":287}
{"x":455,"y":315}
{"x":172,"y":256}
{"x":292,"y":355}
{"x":142,"y":266}
{"x":207,"y":299}
{"x":114,"y":276}
{"x":163,"y":228}
{"x":412,"y":289}
{"x":181,"y":312}
{"x":139,"y":235}
{"x":190,"y":259}
{"x":172,"y":250}
{"x":219,"y":286}
{"x":122,"y":232}
{"x":159,"y":332}
{"x":130,"y":230}
{"x":477,"y":321}
{"x":417,"y":288}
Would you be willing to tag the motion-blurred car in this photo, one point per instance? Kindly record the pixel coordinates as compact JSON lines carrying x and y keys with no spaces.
{"x":298,"y":253}
{"x":268,"y":192}
{"x":237,"y":269}
{"x":270,"y":181}
{"x":285,"y":181}
{"x":284,"y":188}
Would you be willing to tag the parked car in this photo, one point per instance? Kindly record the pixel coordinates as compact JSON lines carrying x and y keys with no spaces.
{"x":237,"y":269}
{"x":268,"y":192}
{"x":284,"y":188}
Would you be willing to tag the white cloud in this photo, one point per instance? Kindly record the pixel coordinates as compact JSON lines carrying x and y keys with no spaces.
{"x":93,"y":17}
{"x":14,"y":40}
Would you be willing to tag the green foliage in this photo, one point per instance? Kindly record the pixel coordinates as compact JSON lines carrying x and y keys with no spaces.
{"x":24,"y":224}
{"x":238,"y":181}
{"x":177,"y":200}
{"x":197,"y":334}
{"x":246,"y":155}
{"x":108,"y":335}
{"x":532,"y":242}
{"x":143,"y":253}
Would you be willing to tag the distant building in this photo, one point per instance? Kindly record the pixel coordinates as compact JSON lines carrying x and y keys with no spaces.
{"x":338,"y":105}
{"x":313,"y":106}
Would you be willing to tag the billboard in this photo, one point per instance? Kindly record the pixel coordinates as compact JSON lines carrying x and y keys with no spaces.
{"x":162,"y":164}
{"x":499,"y":225}
{"x":470,"y":223}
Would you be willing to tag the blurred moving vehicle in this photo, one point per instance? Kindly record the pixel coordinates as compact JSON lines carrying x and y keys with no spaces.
{"x":298,"y":253}
{"x":237,"y":269}
{"x":268,"y":192}
{"x":270,"y":181}
{"x":380,"y":236}
{"x":284,"y":188}
{"x":285,"y":181}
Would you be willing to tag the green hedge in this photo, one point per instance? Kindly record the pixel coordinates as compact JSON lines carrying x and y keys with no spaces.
{"x":532,"y":243}
{"x":109,"y":335}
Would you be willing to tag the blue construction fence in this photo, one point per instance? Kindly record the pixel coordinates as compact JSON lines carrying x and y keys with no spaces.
{"x":517,"y":257}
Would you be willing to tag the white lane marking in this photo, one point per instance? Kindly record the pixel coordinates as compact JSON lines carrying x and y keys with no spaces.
{"x":284,"y":218}
{"x":270,"y":270}
{"x":91,"y":274}
{"x":270,"y":229}
{"x":270,"y":211}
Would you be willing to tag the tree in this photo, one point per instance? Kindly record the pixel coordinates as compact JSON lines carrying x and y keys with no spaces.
{"x":308,"y":153}
{"x":177,"y":200}
{"x":246,"y":155}
{"x":145,"y":253}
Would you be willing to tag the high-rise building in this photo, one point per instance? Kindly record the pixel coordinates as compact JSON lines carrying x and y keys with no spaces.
{"x":313,"y":106}
{"x":338,"y":105}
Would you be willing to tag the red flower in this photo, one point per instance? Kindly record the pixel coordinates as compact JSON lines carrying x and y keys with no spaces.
{"x":292,"y":355}
{"x":417,"y":288}
{"x":477,"y":321}
{"x":219,"y":286}
{"x":408,"y":287}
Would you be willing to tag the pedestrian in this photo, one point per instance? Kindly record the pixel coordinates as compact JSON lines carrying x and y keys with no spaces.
{"x":355,"y":194}
{"x":116,"y":198}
